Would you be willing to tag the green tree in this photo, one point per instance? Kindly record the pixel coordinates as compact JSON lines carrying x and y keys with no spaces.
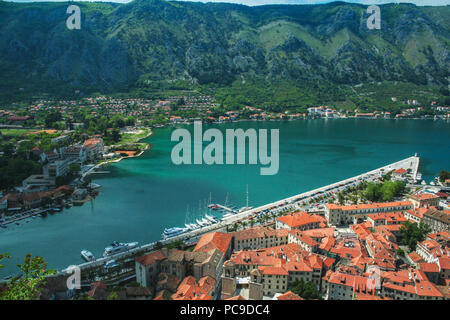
{"x":341,"y":198}
{"x":444,"y":175}
{"x":158,"y":245}
{"x":373,"y":191}
{"x":28,"y":284}
{"x":307,"y":290}
{"x":113,"y":296}
{"x":412,"y":233}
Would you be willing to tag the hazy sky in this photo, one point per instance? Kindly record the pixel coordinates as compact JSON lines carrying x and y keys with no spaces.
{"x":261,"y":2}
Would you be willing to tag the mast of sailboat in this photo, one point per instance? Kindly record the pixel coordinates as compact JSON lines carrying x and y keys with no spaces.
{"x":247,"y":197}
{"x":226,"y":200}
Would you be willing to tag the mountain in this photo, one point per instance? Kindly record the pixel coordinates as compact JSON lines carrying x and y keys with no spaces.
{"x":121,"y":45}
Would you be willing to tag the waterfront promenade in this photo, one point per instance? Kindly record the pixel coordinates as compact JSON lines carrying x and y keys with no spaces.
{"x":411,"y":163}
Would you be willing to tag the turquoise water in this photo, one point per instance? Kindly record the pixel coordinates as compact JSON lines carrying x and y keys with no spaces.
{"x":142,"y":196}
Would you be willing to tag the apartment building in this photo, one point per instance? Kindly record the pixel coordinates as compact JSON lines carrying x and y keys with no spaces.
{"x":259,"y":238}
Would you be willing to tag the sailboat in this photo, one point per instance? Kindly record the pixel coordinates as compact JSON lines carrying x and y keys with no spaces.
{"x":186,"y":218}
{"x":246,"y":206}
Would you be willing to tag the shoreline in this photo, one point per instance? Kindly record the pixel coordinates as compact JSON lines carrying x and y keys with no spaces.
{"x":106,"y":162}
{"x":289,"y":120}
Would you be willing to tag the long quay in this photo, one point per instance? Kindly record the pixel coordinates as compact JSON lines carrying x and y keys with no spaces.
{"x":411,"y":163}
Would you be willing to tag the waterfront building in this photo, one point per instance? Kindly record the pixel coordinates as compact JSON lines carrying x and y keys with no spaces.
{"x":176,"y":263}
{"x":56,"y":168}
{"x":76,"y":153}
{"x":339,"y":215}
{"x":399,"y":174}
{"x":300,"y":220}
{"x":424,"y":200}
{"x":37,"y":182}
{"x":95,"y":148}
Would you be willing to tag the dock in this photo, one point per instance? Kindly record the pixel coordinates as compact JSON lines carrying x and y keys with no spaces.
{"x":223,"y":208}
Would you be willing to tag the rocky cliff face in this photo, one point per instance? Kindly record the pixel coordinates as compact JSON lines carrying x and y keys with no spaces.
{"x":155,"y":39}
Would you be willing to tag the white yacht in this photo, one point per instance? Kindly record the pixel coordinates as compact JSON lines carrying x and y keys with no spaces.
{"x":212,"y":219}
{"x":118,"y":247}
{"x":206,"y":221}
{"x":87,"y":255}
{"x":200,"y":223}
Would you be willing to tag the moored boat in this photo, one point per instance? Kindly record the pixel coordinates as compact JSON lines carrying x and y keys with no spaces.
{"x":118,"y":247}
{"x":87,"y":255}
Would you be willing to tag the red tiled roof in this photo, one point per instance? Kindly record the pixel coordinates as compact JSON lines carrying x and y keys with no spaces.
{"x":368,"y":205}
{"x":190,"y":289}
{"x":444,"y":263}
{"x":415,"y":257}
{"x":151,"y":258}
{"x":273,"y":270}
{"x":429,"y":267}
{"x":289,"y":296}
{"x":214,"y":240}
{"x":298,"y":219}
{"x":424,"y":196}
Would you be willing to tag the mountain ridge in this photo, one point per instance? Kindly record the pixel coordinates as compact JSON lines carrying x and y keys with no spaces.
{"x":122,"y":45}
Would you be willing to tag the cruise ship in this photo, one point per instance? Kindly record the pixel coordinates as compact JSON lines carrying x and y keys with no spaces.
{"x":118,"y":247}
{"x":173,"y":232}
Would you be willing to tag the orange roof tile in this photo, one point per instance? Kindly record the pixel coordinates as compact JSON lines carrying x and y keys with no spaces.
{"x":214,"y":240}
{"x":424,"y":196}
{"x":298,"y":219}
{"x":289,"y":296}
{"x":150,"y":258}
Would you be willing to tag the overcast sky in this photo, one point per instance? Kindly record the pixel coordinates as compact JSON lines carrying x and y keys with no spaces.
{"x":261,"y":2}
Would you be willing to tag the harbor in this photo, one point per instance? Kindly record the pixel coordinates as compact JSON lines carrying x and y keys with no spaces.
{"x":143,"y":196}
{"x":125,"y":260}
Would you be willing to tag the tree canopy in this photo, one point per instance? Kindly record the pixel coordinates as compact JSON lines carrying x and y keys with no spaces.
{"x":412,"y":233}
{"x":28,"y":284}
